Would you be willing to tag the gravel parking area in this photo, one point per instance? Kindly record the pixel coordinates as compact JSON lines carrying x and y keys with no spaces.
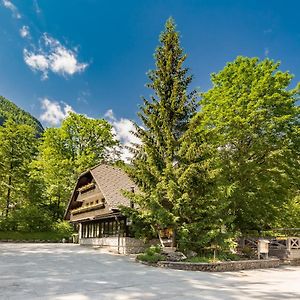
{"x":73,"y":272}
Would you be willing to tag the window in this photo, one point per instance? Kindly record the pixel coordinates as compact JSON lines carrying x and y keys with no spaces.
{"x":103,"y":228}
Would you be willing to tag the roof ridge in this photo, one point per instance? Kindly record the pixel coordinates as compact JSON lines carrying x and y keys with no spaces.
{"x":94,"y":167}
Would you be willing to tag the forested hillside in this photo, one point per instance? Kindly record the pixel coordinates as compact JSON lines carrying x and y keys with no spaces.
{"x":10,"y":110}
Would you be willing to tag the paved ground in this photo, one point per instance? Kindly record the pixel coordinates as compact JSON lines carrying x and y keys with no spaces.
{"x":72,"y":272}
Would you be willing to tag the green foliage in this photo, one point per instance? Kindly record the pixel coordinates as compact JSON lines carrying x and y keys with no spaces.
{"x":27,"y":219}
{"x":32,"y":219}
{"x":248,"y":252}
{"x":65,"y":152}
{"x":289,"y":216}
{"x":151,"y":255}
{"x":8,"y":110}
{"x":165,"y":118}
{"x":30,"y":236}
{"x":210,"y":258}
{"x":141,"y":226}
{"x":250,"y":125}
{"x":18,"y":147}
{"x":63,"y":229}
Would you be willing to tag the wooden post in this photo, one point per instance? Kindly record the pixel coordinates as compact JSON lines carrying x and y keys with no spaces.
{"x":80,"y":232}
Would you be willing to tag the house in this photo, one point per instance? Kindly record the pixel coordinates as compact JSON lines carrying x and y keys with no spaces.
{"x":94,"y":209}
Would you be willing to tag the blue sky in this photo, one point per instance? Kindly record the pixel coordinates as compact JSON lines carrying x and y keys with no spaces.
{"x":91,"y":56}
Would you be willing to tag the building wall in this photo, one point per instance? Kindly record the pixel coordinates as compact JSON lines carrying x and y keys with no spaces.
{"x":122,"y":245}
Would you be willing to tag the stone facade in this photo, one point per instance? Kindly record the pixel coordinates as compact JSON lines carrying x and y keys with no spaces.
{"x":122,"y":245}
{"x":221,"y":266}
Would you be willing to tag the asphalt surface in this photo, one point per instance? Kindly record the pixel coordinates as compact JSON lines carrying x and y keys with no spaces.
{"x":73,"y":272}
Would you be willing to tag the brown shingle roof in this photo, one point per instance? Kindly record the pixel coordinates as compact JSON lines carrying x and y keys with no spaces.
{"x":111,"y":181}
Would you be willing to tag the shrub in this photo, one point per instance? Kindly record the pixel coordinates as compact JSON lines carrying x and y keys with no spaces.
{"x":151,"y":255}
{"x":63,"y":229}
{"x":27,"y":219}
{"x":208,"y":258}
{"x":248,"y":252}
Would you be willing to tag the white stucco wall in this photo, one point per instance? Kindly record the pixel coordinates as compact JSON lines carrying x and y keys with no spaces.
{"x":122,"y":245}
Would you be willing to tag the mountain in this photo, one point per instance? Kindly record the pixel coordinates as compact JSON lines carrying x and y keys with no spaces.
{"x":10,"y":110}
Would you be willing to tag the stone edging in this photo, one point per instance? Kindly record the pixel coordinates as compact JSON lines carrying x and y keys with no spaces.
{"x":219,"y":266}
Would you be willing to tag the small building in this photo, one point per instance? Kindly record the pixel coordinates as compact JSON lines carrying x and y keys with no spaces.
{"x":94,"y":209}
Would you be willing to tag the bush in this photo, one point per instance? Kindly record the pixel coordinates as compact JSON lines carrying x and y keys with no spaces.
{"x":27,"y":219}
{"x":63,"y":229}
{"x":223,"y":256}
{"x":151,"y":255}
{"x":248,"y":252}
{"x":8,"y":224}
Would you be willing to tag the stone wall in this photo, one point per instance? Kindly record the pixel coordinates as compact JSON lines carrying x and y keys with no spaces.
{"x":122,"y":245}
{"x":285,"y":253}
{"x":222,"y":266}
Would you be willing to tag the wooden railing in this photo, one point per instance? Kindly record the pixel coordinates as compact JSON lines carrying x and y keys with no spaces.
{"x":293,"y":243}
{"x":289,"y":243}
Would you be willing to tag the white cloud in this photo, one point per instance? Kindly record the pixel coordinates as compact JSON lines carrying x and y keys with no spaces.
{"x":267,"y":51}
{"x":123,"y":129}
{"x":24,"y":32}
{"x":36,"y":7}
{"x":9,"y":5}
{"x":54,"y":112}
{"x":53,"y":56}
{"x":110,"y":115}
{"x":37,"y":62}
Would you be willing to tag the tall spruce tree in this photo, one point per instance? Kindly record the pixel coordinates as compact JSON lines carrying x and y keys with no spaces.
{"x":165,"y":119}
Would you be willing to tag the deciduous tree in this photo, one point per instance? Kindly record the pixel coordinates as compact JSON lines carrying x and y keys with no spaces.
{"x":250,"y":122}
{"x":65,"y":152}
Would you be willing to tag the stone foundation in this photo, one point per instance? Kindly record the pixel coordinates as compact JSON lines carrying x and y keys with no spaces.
{"x":122,"y":245}
{"x":222,"y":266}
{"x":285,"y":253}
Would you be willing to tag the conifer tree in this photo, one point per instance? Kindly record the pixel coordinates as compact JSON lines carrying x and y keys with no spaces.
{"x":165,"y":118}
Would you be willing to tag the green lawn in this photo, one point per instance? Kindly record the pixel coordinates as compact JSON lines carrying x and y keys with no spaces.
{"x":13,"y":235}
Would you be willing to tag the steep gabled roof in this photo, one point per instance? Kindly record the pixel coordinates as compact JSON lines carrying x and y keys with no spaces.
{"x":111,"y":182}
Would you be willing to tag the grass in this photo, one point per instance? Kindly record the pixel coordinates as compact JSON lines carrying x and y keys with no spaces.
{"x":30,"y":236}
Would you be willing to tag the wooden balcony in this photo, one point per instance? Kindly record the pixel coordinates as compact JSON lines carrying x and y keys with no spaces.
{"x":87,"y":208}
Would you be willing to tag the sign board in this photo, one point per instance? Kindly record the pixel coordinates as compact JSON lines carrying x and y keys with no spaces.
{"x":263,"y":246}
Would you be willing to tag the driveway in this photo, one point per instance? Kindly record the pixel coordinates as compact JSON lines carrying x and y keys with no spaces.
{"x":73,"y":272}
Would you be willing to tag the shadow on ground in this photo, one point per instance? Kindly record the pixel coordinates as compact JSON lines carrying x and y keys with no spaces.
{"x":72,"y":272}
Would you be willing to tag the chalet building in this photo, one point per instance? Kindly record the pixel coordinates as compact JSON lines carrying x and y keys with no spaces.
{"x":94,"y":209}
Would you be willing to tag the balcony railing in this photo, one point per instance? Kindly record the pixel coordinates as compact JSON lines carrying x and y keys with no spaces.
{"x":87,"y":208}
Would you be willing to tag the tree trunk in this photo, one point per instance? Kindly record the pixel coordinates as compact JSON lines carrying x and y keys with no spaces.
{"x":8,"y":194}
